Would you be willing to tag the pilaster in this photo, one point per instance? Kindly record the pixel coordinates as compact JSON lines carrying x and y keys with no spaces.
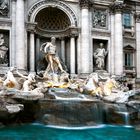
{"x":137,"y":16}
{"x":118,"y":37}
{"x":63,"y":49}
{"x":13,"y":36}
{"x":31,"y":28}
{"x":85,"y":64}
{"x":72,"y":55}
{"x":20,"y":36}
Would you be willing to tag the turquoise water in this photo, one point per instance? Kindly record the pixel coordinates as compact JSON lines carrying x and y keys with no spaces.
{"x":41,"y":132}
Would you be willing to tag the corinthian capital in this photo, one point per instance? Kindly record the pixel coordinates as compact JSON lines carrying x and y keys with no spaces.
{"x":137,"y":16}
{"x":84,"y":3}
{"x":117,"y":6}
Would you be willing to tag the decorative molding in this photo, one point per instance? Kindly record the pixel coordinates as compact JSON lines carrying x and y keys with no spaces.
{"x":101,"y":33}
{"x":52,"y":3}
{"x":129,"y":32}
{"x":71,"y":31}
{"x":117,"y":6}
{"x":31,"y":27}
{"x":99,"y":18}
{"x":130,"y":41}
{"x":84,"y":3}
{"x":137,"y":17}
{"x":5,"y":22}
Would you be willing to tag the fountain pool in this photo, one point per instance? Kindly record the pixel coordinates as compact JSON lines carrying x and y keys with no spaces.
{"x":42,"y":132}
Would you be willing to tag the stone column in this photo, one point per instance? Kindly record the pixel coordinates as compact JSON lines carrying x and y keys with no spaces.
{"x":118,"y":39}
{"x":20,"y":35}
{"x":72,"y":55}
{"x":31,"y":29}
{"x":13,"y":35}
{"x":133,"y":23}
{"x":32,"y":52}
{"x":85,"y":37}
{"x":63,"y":49}
{"x":138,"y":44}
{"x":37,"y":49}
{"x":112,"y":59}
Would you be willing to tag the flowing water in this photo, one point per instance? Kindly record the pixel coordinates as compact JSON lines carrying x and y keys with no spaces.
{"x":42,"y":132}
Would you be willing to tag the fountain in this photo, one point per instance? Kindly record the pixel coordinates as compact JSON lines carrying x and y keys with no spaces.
{"x":57,"y":99}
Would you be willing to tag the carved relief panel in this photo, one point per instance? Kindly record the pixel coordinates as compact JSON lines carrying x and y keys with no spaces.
{"x":99,"y":18}
{"x":4,"y":8}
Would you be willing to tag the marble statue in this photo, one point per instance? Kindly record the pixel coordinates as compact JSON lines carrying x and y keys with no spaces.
{"x":109,"y":85}
{"x":3,"y":50}
{"x":10,"y":81}
{"x":28,"y":83}
{"x":49,"y":48}
{"x":99,"y":56}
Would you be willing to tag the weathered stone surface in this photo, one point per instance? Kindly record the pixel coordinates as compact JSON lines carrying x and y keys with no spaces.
{"x":28,"y":96}
{"x":84,"y":112}
{"x":67,"y":94}
{"x":120,"y":114}
{"x":70,"y":113}
{"x":14,"y":108}
{"x":8,"y":109}
{"x":121,"y":97}
{"x":67,"y":107}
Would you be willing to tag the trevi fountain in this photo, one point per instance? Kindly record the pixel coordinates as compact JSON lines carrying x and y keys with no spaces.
{"x":69,"y":70}
{"x":55,"y":99}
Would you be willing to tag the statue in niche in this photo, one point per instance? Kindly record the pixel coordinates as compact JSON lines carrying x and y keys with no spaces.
{"x":99,"y":56}
{"x":54,"y":64}
{"x":4,"y":7}
{"x":3,"y":51}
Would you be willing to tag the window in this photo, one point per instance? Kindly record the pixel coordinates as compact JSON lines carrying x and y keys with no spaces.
{"x":128,"y":57}
{"x":127,"y":20}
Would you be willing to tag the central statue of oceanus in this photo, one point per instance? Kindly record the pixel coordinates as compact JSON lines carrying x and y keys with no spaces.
{"x":49,"y":48}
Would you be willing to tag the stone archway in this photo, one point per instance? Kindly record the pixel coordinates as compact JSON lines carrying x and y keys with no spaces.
{"x":52,"y":21}
{"x":53,"y":18}
{"x":34,"y":10}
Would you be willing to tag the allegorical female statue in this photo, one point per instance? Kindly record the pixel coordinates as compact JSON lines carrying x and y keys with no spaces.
{"x":99,"y":56}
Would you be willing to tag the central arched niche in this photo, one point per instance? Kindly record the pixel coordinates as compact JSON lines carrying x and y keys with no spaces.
{"x":52,"y":19}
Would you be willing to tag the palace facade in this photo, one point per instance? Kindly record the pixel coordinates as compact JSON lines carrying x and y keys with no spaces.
{"x":79,"y":27}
